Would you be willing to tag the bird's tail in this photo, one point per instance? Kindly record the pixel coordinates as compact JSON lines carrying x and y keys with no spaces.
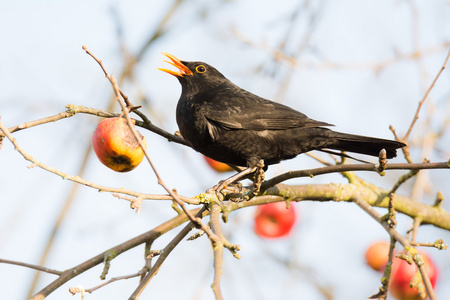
{"x":363,"y":144}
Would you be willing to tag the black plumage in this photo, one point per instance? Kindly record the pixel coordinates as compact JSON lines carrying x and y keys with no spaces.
{"x":233,"y":126}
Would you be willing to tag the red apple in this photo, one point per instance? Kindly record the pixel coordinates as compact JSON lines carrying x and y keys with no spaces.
{"x":377,"y":255}
{"x":403,"y":273}
{"x":115,"y":145}
{"x":218,"y":166}
{"x":274,"y":220}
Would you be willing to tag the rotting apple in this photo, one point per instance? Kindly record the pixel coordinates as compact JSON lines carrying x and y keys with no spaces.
{"x":377,"y":255}
{"x":217,"y":165}
{"x":403,"y":274}
{"x":274,"y":220}
{"x":116,"y":146}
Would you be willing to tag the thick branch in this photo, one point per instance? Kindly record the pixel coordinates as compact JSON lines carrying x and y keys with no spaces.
{"x":346,"y":192}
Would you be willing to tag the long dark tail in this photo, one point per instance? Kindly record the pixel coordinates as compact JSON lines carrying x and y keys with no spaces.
{"x":363,"y":144}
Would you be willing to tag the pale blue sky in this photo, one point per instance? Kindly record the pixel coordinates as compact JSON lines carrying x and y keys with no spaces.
{"x":43,"y":68}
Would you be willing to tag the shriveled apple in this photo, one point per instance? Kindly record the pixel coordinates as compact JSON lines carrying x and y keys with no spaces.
{"x":116,"y":146}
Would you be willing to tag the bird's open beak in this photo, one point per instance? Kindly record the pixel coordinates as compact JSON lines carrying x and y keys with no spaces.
{"x":182,"y":69}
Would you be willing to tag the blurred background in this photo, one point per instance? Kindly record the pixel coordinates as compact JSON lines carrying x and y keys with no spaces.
{"x":361,"y":65}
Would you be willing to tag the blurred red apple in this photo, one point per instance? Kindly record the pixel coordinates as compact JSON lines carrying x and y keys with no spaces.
{"x":218,"y":166}
{"x":403,"y":273}
{"x":274,"y":220}
{"x":377,"y":255}
{"x":115,"y":145}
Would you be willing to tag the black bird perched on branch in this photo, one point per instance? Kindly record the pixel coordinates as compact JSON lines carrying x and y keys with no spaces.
{"x":233,"y":126}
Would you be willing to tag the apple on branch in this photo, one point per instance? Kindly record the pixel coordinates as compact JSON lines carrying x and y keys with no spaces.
{"x":116,"y":146}
{"x":217,"y":166}
{"x":377,"y":255}
{"x":406,"y":278}
{"x":274,"y":220}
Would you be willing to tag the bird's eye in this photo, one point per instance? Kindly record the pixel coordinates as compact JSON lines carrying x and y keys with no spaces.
{"x":200,"y":69}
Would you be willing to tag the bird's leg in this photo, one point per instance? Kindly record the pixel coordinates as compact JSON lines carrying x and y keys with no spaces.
{"x":259,"y":177}
{"x":254,"y":165}
{"x":218,"y":187}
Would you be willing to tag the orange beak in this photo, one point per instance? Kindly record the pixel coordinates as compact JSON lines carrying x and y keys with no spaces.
{"x":182,"y":69}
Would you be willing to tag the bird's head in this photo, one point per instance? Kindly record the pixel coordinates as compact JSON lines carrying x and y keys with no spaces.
{"x":194,"y":76}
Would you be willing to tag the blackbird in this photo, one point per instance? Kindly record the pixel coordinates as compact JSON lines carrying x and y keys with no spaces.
{"x":231,"y":125}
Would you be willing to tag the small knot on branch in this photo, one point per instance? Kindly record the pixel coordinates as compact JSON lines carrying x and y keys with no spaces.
{"x":440,"y":244}
{"x":382,"y":162}
{"x":196,"y":235}
{"x":108,"y":256}
{"x":154,"y":253}
{"x":439,"y":199}
{"x":390,"y":216}
{"x":408,"y":255}
{"x":77,"y":289}
{"x":233,"y":249}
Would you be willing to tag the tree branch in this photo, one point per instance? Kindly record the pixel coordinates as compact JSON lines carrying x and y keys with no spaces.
{"x":31,"y":266}
{"x":350,"y":167}
{"x":374,"y":196}
{"x":165,"y":253}
{"x":404,"y":242}
{"x":82,"y":181}
{"x":119,"y":249}
{"x":416,"y":116}
{"x":217,"y":250}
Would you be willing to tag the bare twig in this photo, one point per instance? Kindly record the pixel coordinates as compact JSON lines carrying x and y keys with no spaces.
{"x":402,"y":179}
{"x":91,"y":290}
{"x":382,"y":293}
{"x":439,"y":244}
{"x":217,"y":246}
{"x":416,"y":116}
{"x":77,"y":179}
{"x":166,"y":251}
{"x":350,"y":167}
{"x":31,"y":266}
{"x":119,"y":249}
{"x":72,"y":110}
{"x":61,"y":216}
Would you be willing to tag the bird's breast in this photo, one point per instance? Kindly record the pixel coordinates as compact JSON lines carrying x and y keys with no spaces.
{"x":192,"y":123}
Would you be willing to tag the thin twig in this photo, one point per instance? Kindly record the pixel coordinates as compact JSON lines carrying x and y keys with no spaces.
{"x":165,"y":253}
{"x":217,"y":250}
{"x":72,"y":110}
{"x":31,"y":266}
{"x":77,"y":179}
{"x":350,"y":167}
{"x":416,"y":116}
{"x":150,"y":235}
{"x":59,"y":220}
{"x":91,"y":290}
{"x":382,"y":293}
{"x":125,"y":111}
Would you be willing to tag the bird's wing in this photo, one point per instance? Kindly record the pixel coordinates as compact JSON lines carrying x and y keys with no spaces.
{"x":250,"y":112}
